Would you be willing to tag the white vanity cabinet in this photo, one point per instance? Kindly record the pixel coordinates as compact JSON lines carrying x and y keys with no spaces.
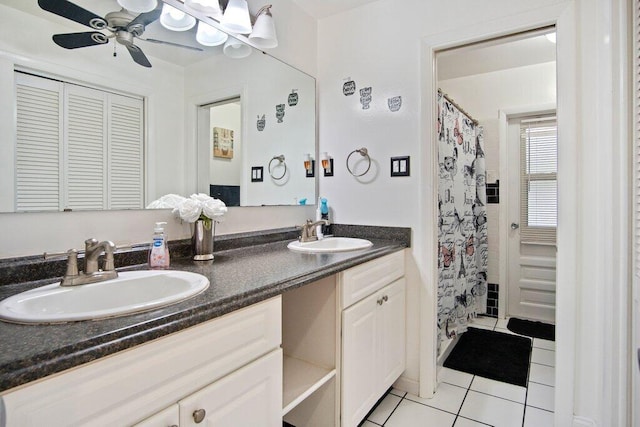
{"x":373,"y":333}
{"x":230,"y":366}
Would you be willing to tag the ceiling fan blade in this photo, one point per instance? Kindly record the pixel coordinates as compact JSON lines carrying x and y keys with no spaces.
{"x":71,"y":11}
{"x":148,"y":17}
{"x":76,"y":40}
{"x":172,"y":44}
{"x":138,"y":55}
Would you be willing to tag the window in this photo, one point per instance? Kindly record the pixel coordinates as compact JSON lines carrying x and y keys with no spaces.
{"x":77,"y":148}
{"x":538,"y":180}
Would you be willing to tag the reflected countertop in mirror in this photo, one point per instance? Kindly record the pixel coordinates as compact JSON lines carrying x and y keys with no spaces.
{"x":183,"y":150}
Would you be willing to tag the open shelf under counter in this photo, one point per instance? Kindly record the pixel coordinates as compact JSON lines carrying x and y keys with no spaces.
{"x":301,"y":379}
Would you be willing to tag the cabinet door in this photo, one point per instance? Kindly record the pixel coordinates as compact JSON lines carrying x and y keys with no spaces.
{"x":248,"y":397}
{"x":359,"y":348}
{"x":392,"y":332}
{"x":170,"y":417}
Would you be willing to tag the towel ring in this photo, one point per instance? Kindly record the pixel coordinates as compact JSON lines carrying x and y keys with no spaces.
{"x":364,"y":153}
{"x":281,"y":161}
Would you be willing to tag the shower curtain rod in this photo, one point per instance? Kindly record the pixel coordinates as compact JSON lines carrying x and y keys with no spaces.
{"x":475,"y":122}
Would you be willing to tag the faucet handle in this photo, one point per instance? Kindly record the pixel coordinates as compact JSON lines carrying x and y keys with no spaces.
{"x":109,"y":249}
{"x":72,"y":260}
{"x":72,"y":263}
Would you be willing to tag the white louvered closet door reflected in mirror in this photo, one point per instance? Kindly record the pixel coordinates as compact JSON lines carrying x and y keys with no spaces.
{"x":76,"y":148}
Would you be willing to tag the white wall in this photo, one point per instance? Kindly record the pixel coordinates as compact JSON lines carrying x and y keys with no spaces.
{"x":33,"y":233}
{"x":482,"y":96}
{"x":378,"y":45}
{"x":263,"y":83}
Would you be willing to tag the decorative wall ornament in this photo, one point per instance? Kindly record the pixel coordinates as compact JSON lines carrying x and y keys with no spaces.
{"x":222,"y":143}
{"x":293,"y":98}
{"x":280,"y":112}
{"x":365,"y":97}
{"x":261,"y":123}
{"x":394,"y":103}
{"x":349,"y":87}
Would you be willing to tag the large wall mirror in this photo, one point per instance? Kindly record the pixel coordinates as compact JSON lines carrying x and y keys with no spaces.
{"x":236,"y":125}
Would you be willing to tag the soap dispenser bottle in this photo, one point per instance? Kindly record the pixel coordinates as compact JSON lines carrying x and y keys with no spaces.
{"x":159,"y":253}
{"x":324,"y":214}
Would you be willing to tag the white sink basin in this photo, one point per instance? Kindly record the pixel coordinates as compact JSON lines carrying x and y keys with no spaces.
{"x":131,"y":292}
{"x":330,"y":244}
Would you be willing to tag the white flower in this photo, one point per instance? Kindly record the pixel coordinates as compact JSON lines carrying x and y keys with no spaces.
{"x":168,"y":201}
{"x":189,"y":210}
{"x":214,"y":208}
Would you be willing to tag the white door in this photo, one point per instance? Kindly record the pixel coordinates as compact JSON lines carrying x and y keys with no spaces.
{"x":392,"y":331}
{"x":359,"y":364}
{"x":248,"y":397}
{"x":531,"y":287}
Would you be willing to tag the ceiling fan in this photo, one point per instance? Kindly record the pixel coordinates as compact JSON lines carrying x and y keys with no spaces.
{"x":123,"y":25}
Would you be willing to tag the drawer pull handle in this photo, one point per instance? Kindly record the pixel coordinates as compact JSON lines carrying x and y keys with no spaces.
{"x":385,"y":298}
{"x":198,"y":415}
{"x":380,"y":301}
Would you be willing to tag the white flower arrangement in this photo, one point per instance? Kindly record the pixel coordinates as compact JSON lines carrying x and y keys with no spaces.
{"x":197,"y":206}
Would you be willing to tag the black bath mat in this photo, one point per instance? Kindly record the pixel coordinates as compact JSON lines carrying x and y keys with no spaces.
{"x":494,"y":355}
{"x":533,"y":329}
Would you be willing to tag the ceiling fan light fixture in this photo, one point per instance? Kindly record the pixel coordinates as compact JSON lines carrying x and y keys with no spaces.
{"x":210,"y":7}
{"x":176,"y":20}
{"x":210,"y":36}
{"x":138,"y":6}
{"x":235,"y":49}
{"x":264,"y":30}
{"x":236,"y":17}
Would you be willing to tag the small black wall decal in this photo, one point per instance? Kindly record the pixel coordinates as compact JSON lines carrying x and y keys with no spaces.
{"x":280,"y":112}
{"x":349,"y":88}
{"x":365,"y":97}
{"x":261,"y":123}
{"x":293,"y":98}
{"x":394,"y":103}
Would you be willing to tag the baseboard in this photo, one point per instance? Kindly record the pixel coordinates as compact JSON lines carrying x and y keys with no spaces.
{"x":447,"y":346}
{"x":407,"y":384}
{"x":583,"y":422}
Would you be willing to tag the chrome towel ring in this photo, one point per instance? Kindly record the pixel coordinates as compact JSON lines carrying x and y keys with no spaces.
{"x":281,"y":161}
{"x":364,"y":153}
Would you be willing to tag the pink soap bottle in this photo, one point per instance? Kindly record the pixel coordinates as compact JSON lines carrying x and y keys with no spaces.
{"x":159,"y":253}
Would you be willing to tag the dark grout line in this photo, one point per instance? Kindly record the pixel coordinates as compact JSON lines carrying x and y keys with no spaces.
{"x":394,"y":409}
{"x":541,"y":409}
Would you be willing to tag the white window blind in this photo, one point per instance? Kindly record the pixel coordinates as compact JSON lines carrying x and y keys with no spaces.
{"x":77,"y":148}
{"x":538,"y":180}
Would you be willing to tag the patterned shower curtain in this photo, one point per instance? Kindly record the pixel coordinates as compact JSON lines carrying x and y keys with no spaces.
{"x":462,"y":237}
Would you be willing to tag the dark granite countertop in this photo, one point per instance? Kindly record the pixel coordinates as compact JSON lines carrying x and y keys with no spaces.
{"x":239,"y":277}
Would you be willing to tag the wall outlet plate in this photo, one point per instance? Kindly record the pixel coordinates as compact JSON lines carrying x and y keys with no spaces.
{"x":400,"y":166}
{"x":257,"y":174}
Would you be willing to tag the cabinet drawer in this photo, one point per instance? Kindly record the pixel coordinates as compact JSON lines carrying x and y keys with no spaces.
{"x":250,"y":396}
{"x":363,"y":280}
{"x":132,"y":385}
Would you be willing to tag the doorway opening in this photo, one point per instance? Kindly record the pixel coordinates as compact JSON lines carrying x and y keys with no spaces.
{"x":220,"y":128}
{"x":505,"y":85}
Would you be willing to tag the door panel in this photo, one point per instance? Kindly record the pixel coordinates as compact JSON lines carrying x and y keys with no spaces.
{"x":531,"y":287}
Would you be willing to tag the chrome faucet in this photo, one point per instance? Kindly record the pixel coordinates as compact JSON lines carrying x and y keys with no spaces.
{"x":308,"y":233}
{"x":92,"y":274}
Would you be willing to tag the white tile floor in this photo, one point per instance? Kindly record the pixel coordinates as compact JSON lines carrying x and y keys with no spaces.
{"x":465,"y":400}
